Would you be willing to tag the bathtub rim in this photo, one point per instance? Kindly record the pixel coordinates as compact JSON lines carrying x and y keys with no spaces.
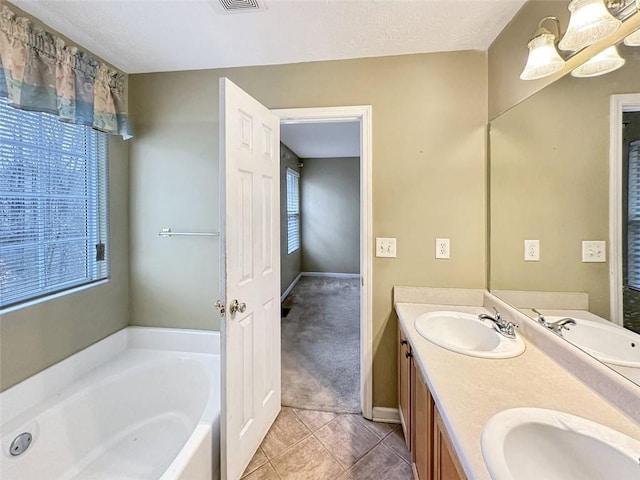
{"x":39,"y":387}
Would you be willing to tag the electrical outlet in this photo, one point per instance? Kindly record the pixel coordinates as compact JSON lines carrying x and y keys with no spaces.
{"x":594,"y":251}
{"x":442,"y":248}
{"x":386,"y":247}
{"x":532,"y":250}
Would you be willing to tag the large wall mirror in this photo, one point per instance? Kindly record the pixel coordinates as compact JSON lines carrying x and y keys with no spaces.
{"x":549,"y":181}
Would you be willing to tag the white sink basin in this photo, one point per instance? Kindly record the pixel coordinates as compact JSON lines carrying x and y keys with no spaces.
{"x":535,"y":444}
{"x":464,"y":333}
{"x":607,"y":342}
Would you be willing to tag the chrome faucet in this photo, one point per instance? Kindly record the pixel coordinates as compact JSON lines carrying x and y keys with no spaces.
{"x":558,"y":326}
{"x":499,"y":325}
{"x":541,"y":320}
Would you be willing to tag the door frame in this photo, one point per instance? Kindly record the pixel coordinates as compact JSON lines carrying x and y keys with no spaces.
{"x":618,"y":105}
{"x":362,"y":114}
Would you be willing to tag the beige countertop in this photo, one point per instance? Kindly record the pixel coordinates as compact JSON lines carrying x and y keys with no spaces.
{"x":469,"y":390}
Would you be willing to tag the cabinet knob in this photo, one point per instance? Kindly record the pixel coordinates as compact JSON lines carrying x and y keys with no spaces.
{"x":403,"y":342}
{"x":408,"y":354}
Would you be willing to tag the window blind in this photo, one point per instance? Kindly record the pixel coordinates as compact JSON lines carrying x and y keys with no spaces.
{"x":293,"y":210}
{"x":53,"y":205}
{"x":633,"y":221}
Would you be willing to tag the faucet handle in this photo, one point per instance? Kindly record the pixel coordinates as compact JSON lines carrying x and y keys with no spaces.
{"x":510,"y":327}
{"x":540,"y":318}
{"x":497,"y":313}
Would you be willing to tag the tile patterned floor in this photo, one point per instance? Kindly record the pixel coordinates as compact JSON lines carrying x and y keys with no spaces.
{"x":314,"y":445}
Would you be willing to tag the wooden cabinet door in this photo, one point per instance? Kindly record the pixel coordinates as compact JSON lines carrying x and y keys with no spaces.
{"x":404,"y":384}
{"x":423,"y":428}
{"x":425,"y":434}
{"x":446,"y":464}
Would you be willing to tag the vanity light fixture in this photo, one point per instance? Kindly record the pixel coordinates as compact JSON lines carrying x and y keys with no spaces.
{"x":544,"y":58}
{"x":605,"y":62}
{"x":633,"y":40}
{"x":590,"y":21}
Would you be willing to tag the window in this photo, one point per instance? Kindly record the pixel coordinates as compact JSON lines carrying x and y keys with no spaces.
{"x":633,"y":222}
{"x":293,"y":210}
{"x":53,"y":205}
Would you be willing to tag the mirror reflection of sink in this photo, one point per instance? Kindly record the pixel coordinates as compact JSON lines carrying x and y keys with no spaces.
{"x":464,"y":333}
{"x":535,"y":444}
{"x":607,"y":342}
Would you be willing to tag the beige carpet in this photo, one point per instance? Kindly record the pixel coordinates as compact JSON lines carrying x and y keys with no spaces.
{"x":321,"y":345}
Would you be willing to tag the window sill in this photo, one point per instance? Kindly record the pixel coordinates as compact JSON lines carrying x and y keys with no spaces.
{"x":53,"y":296}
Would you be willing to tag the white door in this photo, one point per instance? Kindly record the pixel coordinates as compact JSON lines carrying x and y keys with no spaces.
{"x":250,"y":163}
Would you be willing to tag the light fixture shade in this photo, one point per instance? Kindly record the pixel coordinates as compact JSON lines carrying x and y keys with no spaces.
{"x":605,"y":62}
{"x":543,"y":57}
{"x":590,"y":21}
{"x":633,"y":40}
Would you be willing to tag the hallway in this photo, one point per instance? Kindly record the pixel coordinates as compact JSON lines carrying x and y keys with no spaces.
{"x":321,"y":345}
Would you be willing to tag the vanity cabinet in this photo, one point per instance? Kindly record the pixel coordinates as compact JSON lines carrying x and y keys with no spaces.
{"x":426,"y":437}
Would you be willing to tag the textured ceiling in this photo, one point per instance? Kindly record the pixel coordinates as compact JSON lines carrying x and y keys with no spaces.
{"x":167,"y":35}
{"x":322,"y":140}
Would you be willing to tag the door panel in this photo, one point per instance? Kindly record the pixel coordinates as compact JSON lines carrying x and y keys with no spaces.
{"x":250,"y":163}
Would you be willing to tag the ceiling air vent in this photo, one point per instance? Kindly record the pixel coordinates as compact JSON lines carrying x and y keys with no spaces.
{"x":237,"y":6}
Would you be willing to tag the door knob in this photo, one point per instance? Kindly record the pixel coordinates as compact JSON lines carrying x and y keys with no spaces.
{"x":237,"y":306}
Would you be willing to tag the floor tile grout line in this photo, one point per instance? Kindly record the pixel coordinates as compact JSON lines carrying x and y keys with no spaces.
{"x":366,"y":453}
{"x":276,"y":470}
{"x":393,"y":429}
{"x":245,"y":473}
{"x":311,"y":433}
{"x":372,"y":431}
{"x":378,"y":442}
{"x":384,"y":446}
{"x":309,"y":410}
{"x":338,"y":415}
{"x":392,"y":451}
{"x":344,"y":469}
{"x":307,"y":435}
{"x":401,"y":458}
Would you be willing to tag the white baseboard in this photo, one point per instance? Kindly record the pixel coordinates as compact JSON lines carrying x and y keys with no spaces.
{"x":290,"y":287}
{"x":315,"y":274}
{"x":386,"y":415}
{"x":328,"y":274}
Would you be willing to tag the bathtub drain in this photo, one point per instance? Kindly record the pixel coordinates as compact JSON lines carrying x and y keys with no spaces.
{"x":20,"y":444}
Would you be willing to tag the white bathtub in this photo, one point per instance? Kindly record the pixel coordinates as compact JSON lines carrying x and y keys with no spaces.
{"x":144,"y":403}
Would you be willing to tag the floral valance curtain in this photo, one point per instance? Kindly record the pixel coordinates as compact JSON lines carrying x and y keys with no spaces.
{"x":39,"y":72}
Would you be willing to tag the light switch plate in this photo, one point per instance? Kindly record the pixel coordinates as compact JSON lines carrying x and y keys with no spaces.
{"x":386,"y":247}
{"x":532,"y":250}
{"x":594,"y":251}
{"x":443,"y":248}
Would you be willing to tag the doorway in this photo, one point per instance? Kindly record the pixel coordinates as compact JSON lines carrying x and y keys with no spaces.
{"x":624,"y":210}
{"x":336,"y":117}
{"x":320,"y":265}
{"x":631,"y":227}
